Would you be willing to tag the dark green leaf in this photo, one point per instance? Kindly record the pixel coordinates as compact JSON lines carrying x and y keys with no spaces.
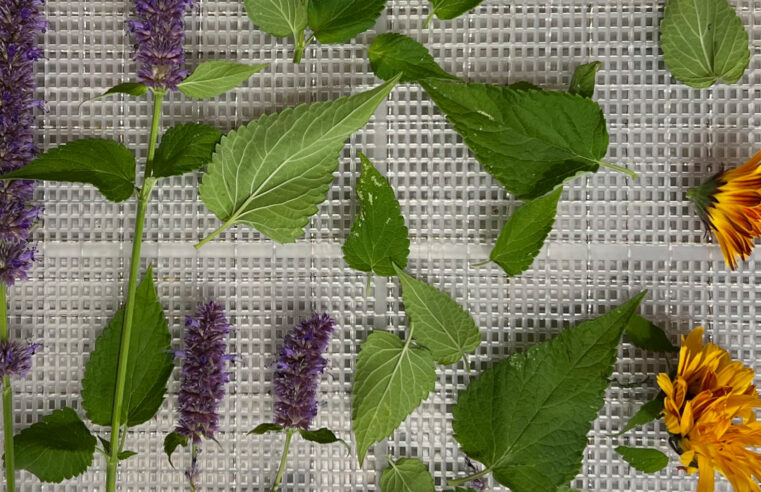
{"x":265,"y":428}
{"x":449,"y":9}
{"x":647,"y":336}
{"x":528,"y":417}
{"x":130,"y":88}
{"x":523,"y":85}
{"x":148,"y":368}
{"x":322,"y":436}
{"x":214,"y":78}
{"x":337,"y":21}
{"x":393,"y":53}
{"x":278,"y":17}
{"x":583,"y":81}
{"x":106,"y":445}
{"x":566,"y":488}
{"x":185,"y":148}
{"x":126,"y":455}
{"x":406,"y":475}
{"x":171,"y":442}
{"x":56,"y":448}
{"x":644,"y":459}
{"x":105,"y":164}
{"x":524,"y":233}
{"x":647,"y":413}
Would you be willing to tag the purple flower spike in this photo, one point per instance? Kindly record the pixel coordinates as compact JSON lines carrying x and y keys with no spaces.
{"x":297,"y":372}
{"x":16,"y":358}
{"x":204,"y":375}
{"x":159,"y":35}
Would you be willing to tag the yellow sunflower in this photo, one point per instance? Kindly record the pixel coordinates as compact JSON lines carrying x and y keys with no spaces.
{"x":709,"y":409}
{"x":730,"y":206}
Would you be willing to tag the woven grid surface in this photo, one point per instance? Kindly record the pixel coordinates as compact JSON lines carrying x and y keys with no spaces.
{"x":612,"y":238}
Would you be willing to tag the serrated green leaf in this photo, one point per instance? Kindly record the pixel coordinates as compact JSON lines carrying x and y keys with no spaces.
{"x":130,"y":88}
{"x":185,"y":148}
{"x":583,"y":80}
{"x":148,"y":368}
{"x":437,"y":321}
{"x":647,"y":413}
{"x":449,"y":9}
{"x":644,"y":459}
{"x":530,"y":141}
{"x":171,"y":442}
{"x":406,"y":475}
{"x":272,"y":173}
{"x":56,"y":448}
{"x":337,"y":21}
{"x":214,"y":78}
{"x":378,"y":237}
{"x":322,"y":436}
{"x":265,"y":428}
{"x":391,"y":380}
{"x":394,"y":53}
{"x":524,"y":233}
{"x":105,"y":164}
{"x":647,"y":336}
{"x":278,"y":17}
{"x":704,"y":42}
{"x":528,"y":417}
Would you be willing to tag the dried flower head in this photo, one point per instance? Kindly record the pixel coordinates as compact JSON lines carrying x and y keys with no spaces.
{"x":709,"y":409}
{"x":16,"y":358}
{"x":159,"y":34}
{"x":729,"y":204}
{"x":298,"y":370}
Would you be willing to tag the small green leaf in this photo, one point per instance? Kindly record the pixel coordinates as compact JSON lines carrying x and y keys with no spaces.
{"x":566,"y":488}
{"x":278,"y":17}
{"x":391,"y":380}
{"x":171,"y":442}
{"x":337,"y":21}
{"x":647,"y":413}
{"x":644,"y":459}
{"x":583,"y":81}
{"x":528,"y":417}
{"x":524,"y":234}
{"x":703,"y":42}
{"x":647,"y":336}
{"x":265,"y":428}
{"x":437,"y":321}
{"x":449,"y":9}
{"x":322,"y":436}
{"x":185,"y":148}
{"x":106,"y":445}
{"x":406,"y":475}
{"x":148,"y":368}
{"x":214,"y":78}
{"x":130,"y":88}
{"x":126,"y":455}
{"x":394,"y":53}
{"x":378,"y":237}
{"x":56,"y":448}
{"x":105,"y":164}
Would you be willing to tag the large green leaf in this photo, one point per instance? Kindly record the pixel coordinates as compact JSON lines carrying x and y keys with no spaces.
{"x":214,"y":78}
{"x":644,"y":459}
{"x":449,"y":9}
{"x":406,"y":475}
{"x":378,"y":237}
{"x":148,"y":367}
{"x":528,"y":417}
{"x":391,"y":380}
{"x":272,"y":173}
{"x":394,"y":53}
{"x":105,"y":164}
{"x":524,"y":234}
{"x":337,"y":21}
{"x":56,"y":448}
{"x":185,"y":148}
{"x":437,"y":321}
{"x":278,"y":17}
{"x":703,"y":42}
{"x":530,"y":141}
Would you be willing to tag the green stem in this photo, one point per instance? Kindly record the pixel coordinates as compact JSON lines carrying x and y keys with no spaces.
{"x":469,"y":478}
{"x":429,"y":18}
{"x":478,"y":265}
{"x":194,"y":464}
{"x":301,"y":45}
{"x":279,"y":477}
{"x":219,"y":230}
{"x":129,"y":308}
{"x":620,"y":169}
{"x":10,"y":463}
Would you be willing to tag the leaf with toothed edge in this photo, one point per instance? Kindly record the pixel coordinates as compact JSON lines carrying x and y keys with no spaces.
{"x":406,"y":475}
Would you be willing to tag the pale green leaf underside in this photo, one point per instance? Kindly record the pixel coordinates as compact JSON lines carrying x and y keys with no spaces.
{"x":391,"y":380}
{"x":337,"y":21}
{"x":406,"y":475}
{"x":185,"y":148}
{"x":393,"y":53}
{"x":449,"y":9}
{"x":214,"y":78}
{"x":272,"y":173}
{"x":703,"y":42}
{"x":278,"y":17}
{"x":437,"y":321}
{"x":527,"y":418}
{"x":646,"y":460}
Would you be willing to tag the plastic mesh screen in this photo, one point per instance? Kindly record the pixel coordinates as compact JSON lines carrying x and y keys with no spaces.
{"x":613,"y":237}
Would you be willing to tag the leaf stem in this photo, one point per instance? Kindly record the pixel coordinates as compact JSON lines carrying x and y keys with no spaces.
{"x":429,"y":18}
{"x":281,"y":469}
{"x":620,"y":169}
{"x":480,"y":264}
{"x":129,"y":308}
{"x":301,"y":44}
{"x":469,"y":478}
{"x":10,"y":463}
{"x":219,"y":230}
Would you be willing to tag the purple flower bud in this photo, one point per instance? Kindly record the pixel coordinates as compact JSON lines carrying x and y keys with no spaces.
{"x":16,"y":358}
{"x":16,"y":259}
{"x":297,"y":372}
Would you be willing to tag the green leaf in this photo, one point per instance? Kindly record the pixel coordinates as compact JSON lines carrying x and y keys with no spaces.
{"x":437,"y":321}
{"x":272,"y":173}
{"x":406,"y":475}
{"x":322,"y":436}
{"x":449,"y":9}
{"x":56,"y":448}
{"x":644,"y":459}
{"x":378,"y":237}
{"x":185,"y":148}
{"x":583,"y":80}
{"x":130,"y":88}
{"x":265,"y":428}
{"x":394,"y":53}
{"x":647,"y":336}
{"x":105,"y":164}
{"x":528,"y":417}
{"x":647,"y":413}
{"x":337,"y":21}
{"x":106,"y":444}
{"x":148,"y":367}
{"x":703,"y":42}
{"x":566,"y":488}
{"x":125,"y":455}
{"x":278,"y":17}
{"x":391,"y":380}
{"x":530,"y":141}
{"x":214,"y":78}
{"x":524,"y":233}
{"x":171,"y":442}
